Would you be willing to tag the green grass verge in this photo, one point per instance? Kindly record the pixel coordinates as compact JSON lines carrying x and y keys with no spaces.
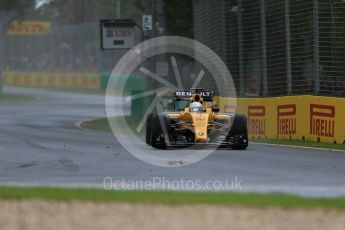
{"x":15,"y":98}
{"x":69,"y":89}
{"x":213,"y":198}
{"x":102,"y":124}
{"x":97,"y":124}
{"x":301,"y":143}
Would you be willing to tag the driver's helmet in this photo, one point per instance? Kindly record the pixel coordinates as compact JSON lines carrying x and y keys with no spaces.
{"x":196,"y":107}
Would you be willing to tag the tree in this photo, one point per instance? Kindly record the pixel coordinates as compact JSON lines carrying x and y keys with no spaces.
{"x":179,"y":17}
{"x":21,"y":6}
{"x":86,"y":11}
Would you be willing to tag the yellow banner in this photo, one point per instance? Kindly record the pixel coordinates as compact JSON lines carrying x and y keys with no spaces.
{"x":88,"y":81}
{"x":297,"y":117}
{"x":29,"y":28}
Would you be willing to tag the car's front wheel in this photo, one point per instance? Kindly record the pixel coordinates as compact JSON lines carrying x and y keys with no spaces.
{"x":160,"y":131}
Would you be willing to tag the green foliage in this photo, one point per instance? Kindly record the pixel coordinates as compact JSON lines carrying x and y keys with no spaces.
{"x":20,"y":6}
{"x":86,"y":11}
{"x":16,"y":5}
{"x":179,"y":17}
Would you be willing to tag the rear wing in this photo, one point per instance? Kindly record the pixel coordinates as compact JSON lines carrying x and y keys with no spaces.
{"x":186,"y":95}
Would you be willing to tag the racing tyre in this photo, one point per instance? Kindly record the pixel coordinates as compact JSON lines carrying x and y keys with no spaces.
{"x":160,"y":124}
{"x":239,"y":132}
{"x":149,"y":129}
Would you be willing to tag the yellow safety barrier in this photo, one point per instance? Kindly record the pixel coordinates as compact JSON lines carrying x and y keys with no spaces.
{"x":293,"y":117}
{"x":89,"y":81}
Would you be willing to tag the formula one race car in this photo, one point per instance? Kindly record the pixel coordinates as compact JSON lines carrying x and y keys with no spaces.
{"x":198,"y":122}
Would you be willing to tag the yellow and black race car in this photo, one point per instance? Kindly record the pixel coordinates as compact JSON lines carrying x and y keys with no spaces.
{"x":199,"y":122}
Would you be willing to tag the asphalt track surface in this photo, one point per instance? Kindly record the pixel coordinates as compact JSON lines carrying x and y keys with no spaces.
{"x":40,"y":145}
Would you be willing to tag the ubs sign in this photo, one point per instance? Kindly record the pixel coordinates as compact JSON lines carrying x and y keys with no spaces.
{"x":117,"y":34}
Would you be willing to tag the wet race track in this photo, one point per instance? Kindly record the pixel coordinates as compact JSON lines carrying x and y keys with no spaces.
{"x":40,"y":145}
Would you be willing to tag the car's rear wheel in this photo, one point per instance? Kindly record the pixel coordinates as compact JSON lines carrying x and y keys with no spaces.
{"x":239,"y":132}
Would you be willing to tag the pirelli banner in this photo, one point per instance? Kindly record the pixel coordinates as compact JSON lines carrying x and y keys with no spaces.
{"x":88,"y":81}
{"x":297,"y":117}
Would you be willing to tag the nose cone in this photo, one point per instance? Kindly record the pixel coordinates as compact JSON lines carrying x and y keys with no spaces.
{"x":200,"y":121}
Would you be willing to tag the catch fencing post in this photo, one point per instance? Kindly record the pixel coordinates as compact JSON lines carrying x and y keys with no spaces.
{"x":316,"y":71}
{"x":263,"y":47}
{"x":288,"y":47}
{"x":240,"y":47}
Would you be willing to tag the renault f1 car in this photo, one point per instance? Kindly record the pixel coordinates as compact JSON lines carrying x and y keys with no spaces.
{"x":199,"y":122}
